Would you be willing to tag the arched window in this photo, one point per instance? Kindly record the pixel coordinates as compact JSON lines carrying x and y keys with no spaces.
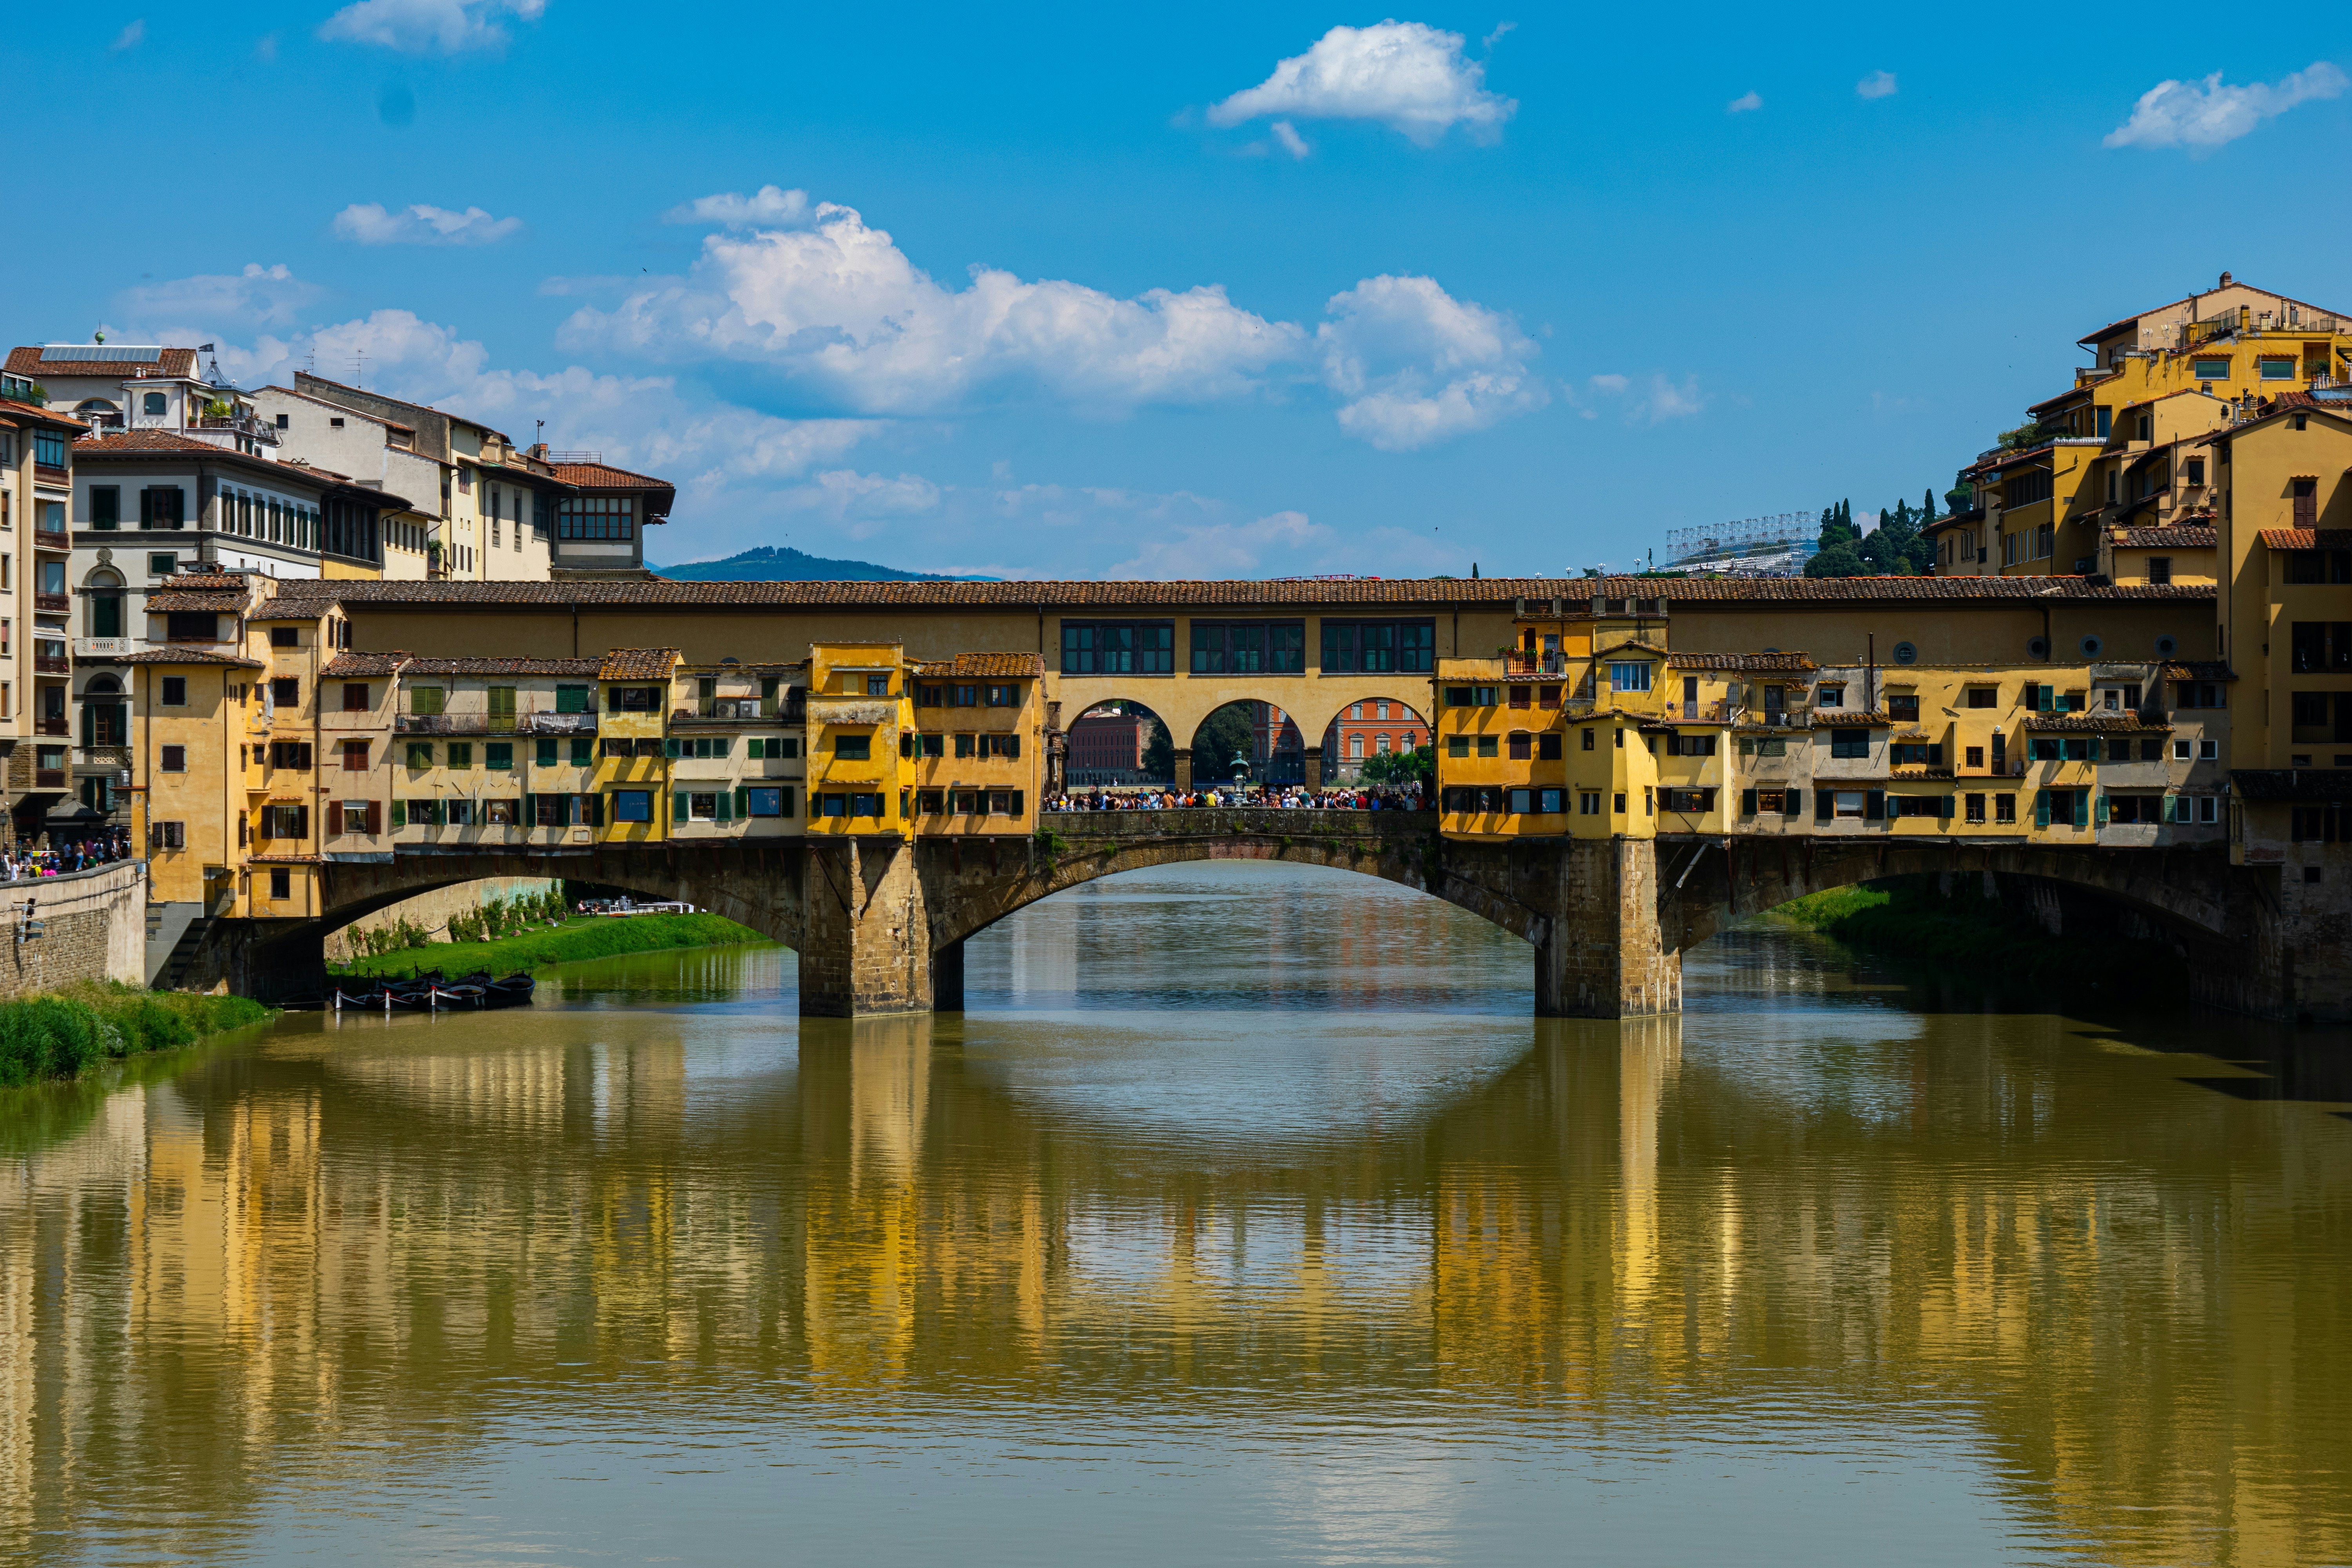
{"x":105,"y":720}
{"x":105,"y":586}
{"x":153,"y":403}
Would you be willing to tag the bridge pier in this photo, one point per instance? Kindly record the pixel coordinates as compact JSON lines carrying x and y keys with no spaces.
{"x":865,"y":943}
{"x":1602,"y":954}
{"x":1183,"y":767}
{"x":1314,"y":767}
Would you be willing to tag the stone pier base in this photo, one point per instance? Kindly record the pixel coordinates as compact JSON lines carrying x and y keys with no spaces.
{"x":1601,"y":954}
{"x":866,"y":939}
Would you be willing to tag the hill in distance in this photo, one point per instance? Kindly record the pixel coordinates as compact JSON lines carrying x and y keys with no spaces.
{"x":775,"y":564}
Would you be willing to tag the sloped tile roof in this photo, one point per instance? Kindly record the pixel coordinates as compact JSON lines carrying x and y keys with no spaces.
{"x":2179,"y":537}
{"x":26,"y":361}
{"x":164,"y":601}
{"x":349,"y":664}
{"x":34,"y":413}
{"x":1790,"y":663}
{"x":2095,"y":723}
{"x":637,"y":664}
{"x":986,"y":667}
{"x":604,"y":476}
{"x":1389,"y":593}
{"x":579,"y":667}
{"x":2305,"y":538}
{"x":1636,"y":644}
{"x":2292,"y":783}
{"x":2197,"y":669}
{"x":185,"y":655}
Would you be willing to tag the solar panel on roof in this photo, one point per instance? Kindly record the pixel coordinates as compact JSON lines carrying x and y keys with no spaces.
{"x":100,"y":353}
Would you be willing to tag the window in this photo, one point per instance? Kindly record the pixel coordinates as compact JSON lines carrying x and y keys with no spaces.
{"x":572,"y":699}
{"x":764,"y":801}
{"x":1630,"y":675}
{"x":1831,"y":697}
{"x":49,"y":449}
{"x":1522,"y":746}
{"x":633,"y":698}
{"x":167,"y":835}
{"x":420,"y":755}
{"x":497,"y":756}
{"x":1850,"y":743}
{"x":355,"y":756}
{"x":190,"y":626}
{"x":1119,"y":647}
{"x":1903,"y":708}
{"x":1975,"y":809}
{"x":1249,"y":647}
{"x":162,"y":506}
{"x":1490,"y":746}
{"x":1849,"y":803}
{"x":1917,"y":754}
{"x":1548,"y":746}
{"x":591,"y":516}
{"x":106,"y":507}
{"x":175,"y":760}
{"x":854,"y":748}
{"x":2197,"y":694}
{"x":2321,"y":646}
{"x":1587,"y":803}
{"x":175,"y":691}
{"x":1378,"y":648}
{"x":1459,"y":745}
{"x":286,"y":691}
{"x":2196,"y":472}
{"x":356,"y":697}
{"x":1682,"y":746}
{"x":584,"y":751}
{"x":1587,"y":733}
{"x":1003,"y":695}
{"x":2306,"y":503}
{"x":2212,"y":369}
{"x":547,"y":754}
{"x":2280,"y":369}
{"x":633,"y":805}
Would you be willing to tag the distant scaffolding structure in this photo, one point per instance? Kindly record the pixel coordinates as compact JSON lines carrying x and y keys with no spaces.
{"x":1781,"y":542}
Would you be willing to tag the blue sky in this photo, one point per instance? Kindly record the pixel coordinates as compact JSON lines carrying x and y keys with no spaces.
{"x":1276,"y":290}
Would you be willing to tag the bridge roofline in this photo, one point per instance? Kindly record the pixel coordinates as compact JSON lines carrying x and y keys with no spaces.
{"x":1390,"y":594}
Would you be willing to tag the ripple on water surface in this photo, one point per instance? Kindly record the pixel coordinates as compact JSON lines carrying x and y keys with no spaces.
{"x":1246,"y":1214}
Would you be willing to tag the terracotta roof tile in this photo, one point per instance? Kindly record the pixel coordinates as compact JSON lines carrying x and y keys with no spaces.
{"x":211,"y":582}
{"x":637,"y":664}
{"x":33,"y":412}
{"x":26,"y":361}
{"x":2291,"y":783}
{"x":985,"y":666}
{"x":347,"y":664}
{"x":589,"y":668}
{"x":185,"y":655}
{"x":2179,"y":536}
{"x":1424,"y":593}
{"x":2305,"y":538}
{"x":604,"y":476}
{"x":2094,"y":723}
{"x":1792,"y":663}
{"x":1636,"y":644}
{"x":2199,"y":669}
{"x":164,"y":601}
{"x":123,"y":441}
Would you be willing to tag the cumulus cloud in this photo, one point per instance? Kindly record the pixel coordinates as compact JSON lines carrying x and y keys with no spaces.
{"x":1877,"y":84}
{"x":2206,"y":114}
{"x":1651,"y":399}
{"x":428,"y":27}
{"x":732,"y":209}
{"x":840,"y":307}
{"x":836,"y":309}
{"x":1747,"y":102}
{"x":370,"y":223}
{"x":257,"y":296}
{"x":131,"y":37}
{"x":1292,"y":141}
{"x":1416,"y":365}
{"x":1407,"y":76}
{"x":863,"y":504}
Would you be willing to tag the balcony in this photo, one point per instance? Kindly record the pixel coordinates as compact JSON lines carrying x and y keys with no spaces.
{"x":441,"y":724}
{"x":244,"y":424}
{"x":59,"y":603}
{"x":55,"y":726}
{"x":52,"y":664}
{"x":49,"y":539}
{"x":48,"y":778}
{"x":735,"y":709}
{"x":555,"y":724}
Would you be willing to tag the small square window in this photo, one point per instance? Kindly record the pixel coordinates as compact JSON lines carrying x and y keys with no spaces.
{"x":281,"y":880}
{"x":175,"y":691}
{"x":2310,"y":875}
{"x":175,"y":759}
{"x":162,"y":565}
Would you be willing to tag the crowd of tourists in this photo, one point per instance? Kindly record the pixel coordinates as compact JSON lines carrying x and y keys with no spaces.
{"x":80,"y":855}
{"x":1276,"y":797}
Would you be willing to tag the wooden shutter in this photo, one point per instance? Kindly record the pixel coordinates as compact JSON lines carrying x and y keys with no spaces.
{"x":1825,"y":805}
{"x":2306,"y":503}
{"x":1873,"y":806}
{"x":301,"y":821}
{"x":2041,"y":809}
{"x":1944,"y":809}
{"x":784,"y":801}
{"x":1747,"y":802}
{"x":681,"y":806}
{"x":743,"y":802}
{"x":375,"y":817}
{"x":334,"y":818}
{"x":400,"y":815}
{"x":722,"y":809}
{"x":592,"y":810}
{"x":1796,"y":806}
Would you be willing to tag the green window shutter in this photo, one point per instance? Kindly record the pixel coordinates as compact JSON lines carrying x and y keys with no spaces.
{"x":2041,"y":809}
{"x":584,"y":751}
{"x":743,"y":802}
{"x":2082,"y":808}
{"x":2100,"y":819}
{"x":1796,"y":803}
{"x":723,"y":747}
{"x":1936,"y":754}
{"x":681,"y":810}
{"x":1873,"y":806}
{"x":89,"y":723}
{"x":1747,"y":802}
{"x":1825,"y":805}
{"x":399,"y":813}
{"x":752,"y":749}
{"x":670,"y":747}
{"x":530,"y":811}
{"x":720,"y":809}
{"x":2091,"y":749}
{"x":784,"y":801}
{"x":571,"y":699}
{"x":547,"y":754}
{"x":1944,"y":809}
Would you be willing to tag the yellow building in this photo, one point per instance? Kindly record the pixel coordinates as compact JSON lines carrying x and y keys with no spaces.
{"x":632,"y":756}
{"x":861,"y":778}
{"x":978,"y":740}
{"x":735,"y":738}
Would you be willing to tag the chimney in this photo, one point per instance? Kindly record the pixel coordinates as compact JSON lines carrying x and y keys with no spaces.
{"x":2225,"y":281}
{"x":539,"y":450}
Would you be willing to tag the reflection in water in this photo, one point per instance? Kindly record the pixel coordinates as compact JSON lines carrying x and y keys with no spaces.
{"x":1246,"y":1214}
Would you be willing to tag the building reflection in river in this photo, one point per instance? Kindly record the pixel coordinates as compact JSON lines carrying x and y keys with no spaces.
{"x":373,"y":1238}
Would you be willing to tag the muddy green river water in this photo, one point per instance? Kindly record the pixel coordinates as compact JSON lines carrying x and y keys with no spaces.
{"x":1246,"y":1215}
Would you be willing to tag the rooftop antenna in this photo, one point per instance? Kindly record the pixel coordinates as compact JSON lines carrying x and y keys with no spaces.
{"x":210,"y":348}
{"x":358,"y":369}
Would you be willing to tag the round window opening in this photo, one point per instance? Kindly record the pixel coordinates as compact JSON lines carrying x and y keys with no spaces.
{"x":2091,"y":646}
{"x":2039,"y":647}
{"x":1906,"y":654}
{"x":2167,"y":647}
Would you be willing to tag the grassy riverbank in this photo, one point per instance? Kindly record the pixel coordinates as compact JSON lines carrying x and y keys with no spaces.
{"x":59,"y":1035}
{"x":584,"y":937}
{"x":1907,"y":923}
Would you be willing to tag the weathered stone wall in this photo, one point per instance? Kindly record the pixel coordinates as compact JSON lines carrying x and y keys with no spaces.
{"x":867,"y":946}
{"x":432,"y":912}
{"x":1604,"y":956}
{"x":93,"y":926}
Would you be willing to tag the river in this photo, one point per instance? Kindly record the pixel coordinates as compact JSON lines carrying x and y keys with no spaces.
{"x":1246,"y":1215}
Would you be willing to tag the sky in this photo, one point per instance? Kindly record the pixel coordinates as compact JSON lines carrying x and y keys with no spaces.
{"x":1255,"y":292}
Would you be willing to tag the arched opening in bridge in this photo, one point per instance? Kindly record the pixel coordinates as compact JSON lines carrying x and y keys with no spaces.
{"x":1246,"y":743}
{"x":1119,"y":744}
{"x":1378,"y":740}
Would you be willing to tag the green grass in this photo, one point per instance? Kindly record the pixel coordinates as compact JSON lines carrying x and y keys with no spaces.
{"x":588,"y":936}
{"x":62,"y":1034}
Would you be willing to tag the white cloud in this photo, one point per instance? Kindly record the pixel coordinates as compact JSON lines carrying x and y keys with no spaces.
{"x":1651,"y":399}
{"x":428,"y":27}
{"x":841,"y":307}
{"x":1417,"y":365}
{"x":2208,"y":114}
{"x":369,"y":223}
{"x":731,"y":209}
{"x":131,"y":37}
{"x":257,"y":296}
{"x":1877,"y":84}
{"x":1292,"y":141}
{"x":1745,"y":103}
{"x":1403,"y":74}
{"x":863,"y":504}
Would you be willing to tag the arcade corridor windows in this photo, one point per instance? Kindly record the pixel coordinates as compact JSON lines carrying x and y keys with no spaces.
{"x":1249,"y":647}
{"x":1119,"y":647}
{"x":1378,"y":648}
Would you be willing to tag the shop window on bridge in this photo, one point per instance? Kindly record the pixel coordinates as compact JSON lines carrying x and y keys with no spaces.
{"x":1249,"y":647}
{"x":1378,"y":648}
{"x":1903,"y":708}
{"x":633,"y":698}
{"x":1119,"y":647}
{"x":1853,"y":743}
{"x":2130,"y":810}
{"x":633,"y":805}
{"x":2197,"y":694}
{"x":1689,"y":801}
{"x":768,"y":801}
{"x":1681,"y":745}
{"x":1471,"y":797}
{"x":1920,"y":754}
